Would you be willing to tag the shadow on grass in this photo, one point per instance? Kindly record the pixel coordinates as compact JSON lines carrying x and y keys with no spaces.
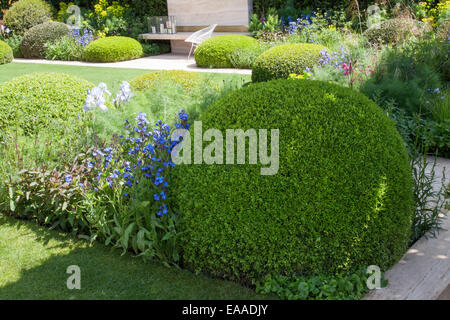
{"x":105,"y":274}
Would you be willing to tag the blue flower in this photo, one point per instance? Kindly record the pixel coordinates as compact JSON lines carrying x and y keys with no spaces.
{"x":68,"y":178}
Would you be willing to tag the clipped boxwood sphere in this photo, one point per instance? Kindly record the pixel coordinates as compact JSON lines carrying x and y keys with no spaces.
{"x":184,"y":78}
{"x":36,"y":100}
{"x":25,"y":14}
{"x":280,"y":61}
{"x":33,"y":43}
{"x":215,"y":52}
{"x":6,"y":53}
{"x":113,"y":49}
{"x":342,"y":198}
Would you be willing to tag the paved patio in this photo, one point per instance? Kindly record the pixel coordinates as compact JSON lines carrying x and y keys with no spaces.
{"x":166,"y":61}
{"x":424,"y":271}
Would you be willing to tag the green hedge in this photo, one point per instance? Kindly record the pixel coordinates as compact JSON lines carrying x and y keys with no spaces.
{"x":25,"y":14}
{"x":113,"y":49}
{"x":6,"y":53}
{"x":38,"y":100}
{"x":280,"y":61}
{"x":215,"y":52}
{"x":33,"y":43}
{"x":184,"y":78}
{"x":342,"y":198}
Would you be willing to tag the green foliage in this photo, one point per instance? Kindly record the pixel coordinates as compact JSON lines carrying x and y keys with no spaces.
{"x":216,"y":51}
{"x":14,"y":42}
{"x":43,"y":195}
{"x":33,"y":43}
{"x":25,"y":14}
{"x":342,"y":198}
{"x":40,"y":100}
{"x":6,"y":53}
{"x":395,"y":31}
{"x":153,"y":49}
{"x":65,"y":48}
{"x":430,"y":203}
{"x":269,"y":23}
{"x":280,"y":61}
{"x":113,"y":49}
{"x":401,"y":77}
{"x":340,"y":287}
{"x":245,"y":58}
{"x":186,"y":79}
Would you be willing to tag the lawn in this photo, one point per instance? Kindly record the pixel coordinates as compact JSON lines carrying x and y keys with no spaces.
{"x":33,"y":263}
{"x":111,"y":76}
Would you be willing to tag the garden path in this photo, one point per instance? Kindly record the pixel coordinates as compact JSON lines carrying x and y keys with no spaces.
{"x":166,"y":61}
{"x":424,"y":271}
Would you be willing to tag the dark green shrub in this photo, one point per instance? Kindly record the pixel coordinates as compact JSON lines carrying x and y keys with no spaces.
{"x":113,"y":49}
{"x":403,"y":78}
{"x":280,"y":61}
{"x":184,"y":78}
{"x":35,"y":39}
{"x":341,"y":200}
{"x":395,"y":31}
{"x":216,"y":51}
{"x":6,"y":53}
{"x":25,"y":14}
{"x":36,"y":100}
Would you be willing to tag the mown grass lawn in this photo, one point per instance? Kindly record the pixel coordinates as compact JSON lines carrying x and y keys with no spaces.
{"x":33,"y":263}
{"x":111,"y":76}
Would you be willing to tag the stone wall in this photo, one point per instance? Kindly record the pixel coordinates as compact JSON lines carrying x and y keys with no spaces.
{"x":206,"y":12}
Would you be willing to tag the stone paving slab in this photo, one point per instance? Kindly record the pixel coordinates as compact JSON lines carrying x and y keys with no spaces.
{"x":166,"y":61}
{"x":424,"y":271}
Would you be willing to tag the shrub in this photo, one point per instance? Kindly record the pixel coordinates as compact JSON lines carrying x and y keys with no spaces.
{"x":14,"y":42}
{"x":184,"y":78}
{"x":34,"y":41}
{"x":113,"y":49}
{"x":6,"y":53}
{"x":25,"y":14}
{"x":341,"y":200}
{"x":215,"y":52}
{"x":401,"y":77}
{"x":36,"y":100}
{"x":280,"y":61}
{"x":395,"y":31}
{"x":65,"y":48}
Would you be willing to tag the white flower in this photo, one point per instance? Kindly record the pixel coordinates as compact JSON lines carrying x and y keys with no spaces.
{"x":124,"y":93}
{"x":96,"y":98}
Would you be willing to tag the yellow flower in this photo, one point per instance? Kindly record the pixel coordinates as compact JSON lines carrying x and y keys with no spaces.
{"x":104,"y":13}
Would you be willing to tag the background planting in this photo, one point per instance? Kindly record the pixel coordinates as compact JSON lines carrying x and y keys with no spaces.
{"x":35,"y":39}
{"x":113,"y":49}
{"x":280,"y":61}
{"x":216,"y":51}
